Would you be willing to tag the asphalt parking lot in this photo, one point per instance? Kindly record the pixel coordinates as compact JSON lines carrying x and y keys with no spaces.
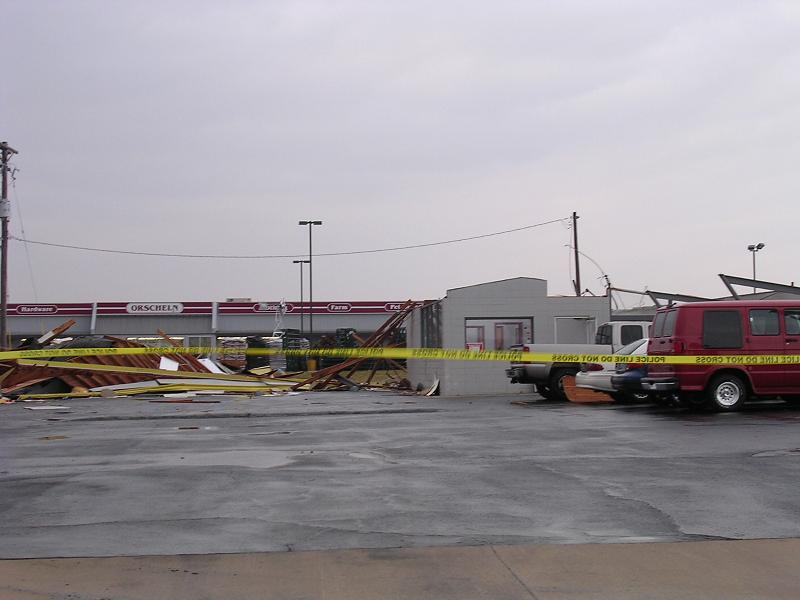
{"x":456,"y":498}
{"x":375,"y":470}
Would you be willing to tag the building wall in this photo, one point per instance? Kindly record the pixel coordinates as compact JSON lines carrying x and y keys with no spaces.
{"x":265,"y":324}
{"x":37,"y":325}
{"x":138,"y":324}
{"x":513,"y":298}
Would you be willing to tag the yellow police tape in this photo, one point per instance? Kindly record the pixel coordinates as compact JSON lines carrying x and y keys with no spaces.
{"x":423,"y":354}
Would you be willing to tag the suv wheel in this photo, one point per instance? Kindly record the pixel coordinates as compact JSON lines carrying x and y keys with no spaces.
{"x":557,"y":382}
{"x":726,"y":393}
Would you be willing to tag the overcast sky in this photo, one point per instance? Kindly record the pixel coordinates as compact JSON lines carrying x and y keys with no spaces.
{"x":672,"y":128}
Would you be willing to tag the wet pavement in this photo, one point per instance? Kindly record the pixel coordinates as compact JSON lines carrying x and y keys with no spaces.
{"x":112,"y":477}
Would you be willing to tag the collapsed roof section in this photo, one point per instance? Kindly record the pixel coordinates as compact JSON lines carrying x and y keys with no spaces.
{"x":774,"y":291}
{"x":770,"y":291}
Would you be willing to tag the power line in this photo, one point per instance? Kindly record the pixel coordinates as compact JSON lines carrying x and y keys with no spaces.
{"x":18,"y":206}
{"x":268,"y":256}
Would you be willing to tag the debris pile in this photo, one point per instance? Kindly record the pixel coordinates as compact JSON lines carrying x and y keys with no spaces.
{"x":122,"y":375}
{"x":182,"y":375}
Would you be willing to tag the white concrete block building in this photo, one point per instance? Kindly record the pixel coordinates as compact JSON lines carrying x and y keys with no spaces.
{"x":496,"y":316}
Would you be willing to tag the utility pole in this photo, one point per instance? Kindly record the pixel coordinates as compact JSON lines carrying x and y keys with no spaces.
{"x":577,"y":254}
{"x":5,"y":212}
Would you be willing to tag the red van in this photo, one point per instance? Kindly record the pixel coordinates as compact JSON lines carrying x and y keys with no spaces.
{"x":722,"y":329}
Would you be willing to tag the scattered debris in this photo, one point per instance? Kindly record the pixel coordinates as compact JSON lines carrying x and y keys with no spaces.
{"x":40,"y":342}
{"x":433,"y":390}
{"x":214,"y":367}
{"x":339,"y":375}
{"x":167,"y":364}
{"x":523,"y":402}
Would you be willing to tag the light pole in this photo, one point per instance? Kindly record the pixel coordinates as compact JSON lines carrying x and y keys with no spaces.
{"x":755,"y":248}
{"x":301,"y":263}
{"x":310,"y":278}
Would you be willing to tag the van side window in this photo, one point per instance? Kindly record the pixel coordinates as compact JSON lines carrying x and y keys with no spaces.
{"x":603,"y":335}
{"x":658,"y":325}
{"x":630,"y":333}
{"x":764,"y":322}
{"x":792,"y":322}
{"x":669,"y":323}
{"x":722,"y":329}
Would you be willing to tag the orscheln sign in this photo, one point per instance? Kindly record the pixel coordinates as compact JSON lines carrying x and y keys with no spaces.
{"x":154,"y":308}
{"x":424,"y":354}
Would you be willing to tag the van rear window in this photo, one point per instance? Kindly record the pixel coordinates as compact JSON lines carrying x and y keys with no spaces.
{"x":722,"y":329}
{"x":658,"y":325}
{"x":669,"y":323}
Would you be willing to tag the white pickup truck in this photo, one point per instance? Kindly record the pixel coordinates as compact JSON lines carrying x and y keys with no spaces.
{"x":549,"y":377}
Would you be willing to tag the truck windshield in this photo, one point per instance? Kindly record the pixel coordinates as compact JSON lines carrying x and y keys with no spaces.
{"x":603,"y":335}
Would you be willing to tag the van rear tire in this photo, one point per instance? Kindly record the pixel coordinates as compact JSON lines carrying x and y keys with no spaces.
{"x":726,"y":393}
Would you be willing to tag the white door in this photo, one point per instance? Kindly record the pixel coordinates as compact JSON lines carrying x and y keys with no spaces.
{"x":575,"y":330}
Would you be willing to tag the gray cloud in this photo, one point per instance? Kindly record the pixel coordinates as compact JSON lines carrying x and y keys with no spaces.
{"x":671,"y":127}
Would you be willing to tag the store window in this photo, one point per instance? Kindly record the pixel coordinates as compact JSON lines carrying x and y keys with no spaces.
{"x":476,"y":337}
{"x":497,"y":333}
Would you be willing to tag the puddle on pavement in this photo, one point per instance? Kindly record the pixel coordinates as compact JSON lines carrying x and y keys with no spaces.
{"x":196,"y":428}
{"x":251,"y":459}
{"x":372,"y":455}
{"x":773,"y":453}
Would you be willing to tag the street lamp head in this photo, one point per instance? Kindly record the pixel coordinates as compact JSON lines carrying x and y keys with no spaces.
{"x":301,"y":261}
{"x":759,"y":246}
{"x":756,"y":247}
{"x":309,"y":222}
